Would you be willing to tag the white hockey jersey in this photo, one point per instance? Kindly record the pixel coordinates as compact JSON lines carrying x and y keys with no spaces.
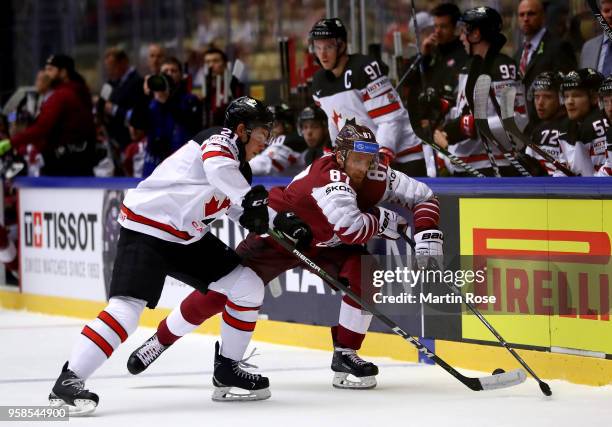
{"x":284,"y":156}
{"x":363,"y":92}
{"x":197,"y":184}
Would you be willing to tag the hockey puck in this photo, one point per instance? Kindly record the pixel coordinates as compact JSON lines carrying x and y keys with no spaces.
{"x":498,"y":371}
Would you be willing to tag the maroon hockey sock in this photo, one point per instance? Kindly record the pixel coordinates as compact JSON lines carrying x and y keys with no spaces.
{"x":346,"y":338}
{"x":164,"y":335}
{"x":195,"y":309}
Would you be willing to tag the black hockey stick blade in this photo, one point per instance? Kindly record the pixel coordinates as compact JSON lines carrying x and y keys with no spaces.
{"x":490,"y":382}
{"x":506,"y":105}
{"x":599,"y":17}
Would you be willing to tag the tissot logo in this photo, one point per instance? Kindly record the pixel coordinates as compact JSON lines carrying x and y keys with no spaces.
{"x":59,"y":230}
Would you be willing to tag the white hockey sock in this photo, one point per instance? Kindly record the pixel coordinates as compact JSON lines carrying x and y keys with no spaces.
{"x":100,"y":337}
{"x":354,"y":319}
{"x":240,"y":314}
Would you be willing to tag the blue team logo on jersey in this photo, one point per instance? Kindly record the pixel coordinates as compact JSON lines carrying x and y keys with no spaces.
{"x":365,"y":147}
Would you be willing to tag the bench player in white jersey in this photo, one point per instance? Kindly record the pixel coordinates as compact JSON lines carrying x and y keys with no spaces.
{"x":583,"y":134}
{"x":544,"y":93}
{"x":605,"y":104}
{"x":165,"y":231}
{"x":285,"y":153}
{"x":356,"y":87}
{"x":338,"y":196}
{"x":483,"y":40}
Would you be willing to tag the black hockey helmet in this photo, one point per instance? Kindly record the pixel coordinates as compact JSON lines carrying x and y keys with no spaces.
{"x":606,"y":87}
{"x":312,"y":112}
{"x":548,"y":80}
{"x":487,"y":20}
{"x":281,"y":113}
{"x":328,"y":28}
{"x":247,"y":110}
{"x":585,"y":78}
{"x":354,"y":137}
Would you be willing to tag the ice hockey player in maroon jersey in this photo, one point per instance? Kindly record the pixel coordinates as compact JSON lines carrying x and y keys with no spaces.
{"x":583,"y":136}
{"x":544,"y":93}
{"x":339,"y":197}
{"x":356,"y":87}
{"x":165,"y":224}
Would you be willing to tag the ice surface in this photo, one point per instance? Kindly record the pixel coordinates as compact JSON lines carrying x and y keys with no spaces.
{"x":176,"y":390}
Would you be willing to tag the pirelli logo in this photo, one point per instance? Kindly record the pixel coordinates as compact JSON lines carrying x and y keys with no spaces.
{"x":545,"y":272}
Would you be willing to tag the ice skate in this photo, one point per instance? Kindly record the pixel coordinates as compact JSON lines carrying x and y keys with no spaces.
{"x":70,"y":390}
{"x":346,"y":362}
{"x":143,"y":356}
{"x":229,"y":375}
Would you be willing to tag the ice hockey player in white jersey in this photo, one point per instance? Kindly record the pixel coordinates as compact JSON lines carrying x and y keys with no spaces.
{"x":165,"y":223}
{"x":483,"y":40}
{"x":544,"y":93}
{"x":356,"y":87}
{"x":583,"y":134}
{"x":285,"y":153}
{"x":605,"y":104}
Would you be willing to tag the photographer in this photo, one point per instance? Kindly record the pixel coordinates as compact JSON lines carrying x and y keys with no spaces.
{"x":175,"y":115}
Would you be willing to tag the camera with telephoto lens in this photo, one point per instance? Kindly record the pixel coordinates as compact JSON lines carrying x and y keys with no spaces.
{"x":160,"y":83}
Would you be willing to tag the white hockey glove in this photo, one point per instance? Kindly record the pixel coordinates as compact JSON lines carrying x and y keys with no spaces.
{"x":428,"y":248}
{"x":389,"y":224}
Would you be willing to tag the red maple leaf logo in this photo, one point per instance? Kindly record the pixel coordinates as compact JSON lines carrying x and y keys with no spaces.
{"x":336,"y":118}
{"x":213,"y":206}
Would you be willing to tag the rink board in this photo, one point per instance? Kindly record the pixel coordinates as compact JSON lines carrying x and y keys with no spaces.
{"x":68,"y":232}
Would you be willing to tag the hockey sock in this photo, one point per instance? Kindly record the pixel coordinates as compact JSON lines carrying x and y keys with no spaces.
{"x":352,"y":325}
{"x":100,"y":337}
{"x":192,"y":312}
{"x":240,"y":314}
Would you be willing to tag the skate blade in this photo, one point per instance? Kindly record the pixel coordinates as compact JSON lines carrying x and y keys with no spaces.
{"x":341,"y":380}
{"x":225,"y":394}
{"x":80,"y":408}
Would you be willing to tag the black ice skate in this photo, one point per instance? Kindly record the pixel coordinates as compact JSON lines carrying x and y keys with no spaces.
{"x":229,"y":374}
{"x":69,"y":390}
{"x":346,"y":362}
{"x":143,"y":356}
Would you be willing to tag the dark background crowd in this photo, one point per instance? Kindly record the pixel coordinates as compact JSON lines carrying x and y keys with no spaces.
{"x":139,"y":105}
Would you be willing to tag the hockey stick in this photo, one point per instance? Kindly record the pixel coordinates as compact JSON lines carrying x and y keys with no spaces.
{"x":491,"y":382}
{"x":507,"y":96}
{"x":598,"y":16}
{"x":454,"y":159}
{"x":543,"y":386}
{"x":481,"y":101}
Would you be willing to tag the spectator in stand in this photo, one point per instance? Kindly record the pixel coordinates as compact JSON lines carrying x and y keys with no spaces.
{"x":134,"y":154}
{"x":175,"y":115}
{"x":540,"y":51}
{"x":122,"y":93}
{"x":155,"y":58}
{"x":64,"y":131}
{"x":597,"y":52}
{"x":213,"y":82}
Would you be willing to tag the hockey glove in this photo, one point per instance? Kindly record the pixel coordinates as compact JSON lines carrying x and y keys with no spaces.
{"x":389,"y":224}
{"x":433,"y":106}
{"x":294,"y":229}
{"x":467,"y":126}
{"x":428,"y":248}
{"x":255,"y":215}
